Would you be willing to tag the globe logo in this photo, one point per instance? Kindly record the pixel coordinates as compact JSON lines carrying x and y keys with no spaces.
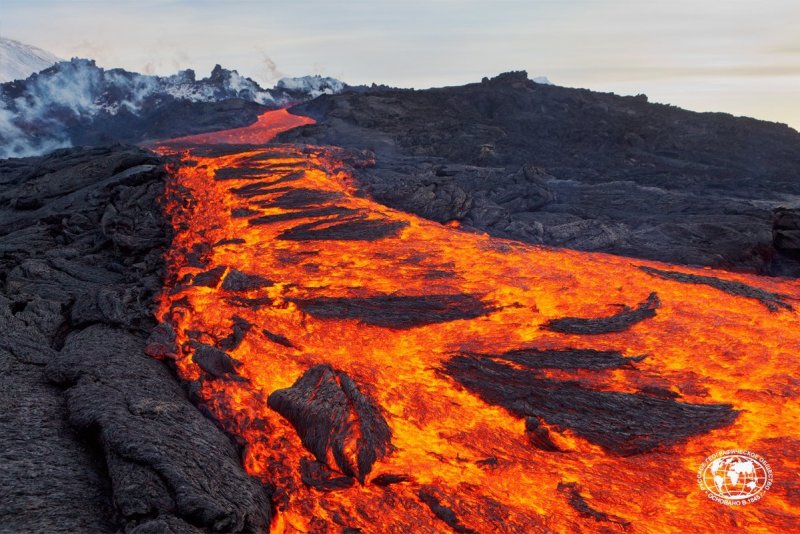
{"x":734,"y":477}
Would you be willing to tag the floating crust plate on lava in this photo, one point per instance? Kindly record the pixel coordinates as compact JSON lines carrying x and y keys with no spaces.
{"x":392,"y":374}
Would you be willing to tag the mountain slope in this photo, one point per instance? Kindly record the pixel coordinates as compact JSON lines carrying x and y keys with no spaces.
{"x":79,"y":103}
{"x":18,"y":60}
{"x":574,"y":168}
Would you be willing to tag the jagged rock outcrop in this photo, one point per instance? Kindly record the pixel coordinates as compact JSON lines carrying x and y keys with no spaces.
{"x":786,"y":235}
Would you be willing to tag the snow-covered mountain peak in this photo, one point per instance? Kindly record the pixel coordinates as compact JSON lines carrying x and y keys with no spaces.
{"x":18,"y":60}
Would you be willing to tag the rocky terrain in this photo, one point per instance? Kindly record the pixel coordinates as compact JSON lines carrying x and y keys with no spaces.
{"x":96,"y":435}
{"x":77,"y":103}
{"x":577,"y":169}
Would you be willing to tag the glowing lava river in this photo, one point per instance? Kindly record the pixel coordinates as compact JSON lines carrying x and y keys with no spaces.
{"x":391,"y":374}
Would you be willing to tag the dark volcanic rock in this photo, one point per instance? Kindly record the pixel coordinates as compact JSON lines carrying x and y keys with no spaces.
{"x":162,"y":342}
{"x":539,"y":435}
{"x":564,"y":359}
{"x":328,"y":410}
{"x":572,"y":167}
{"x":387,"y":479}
{"x":239,"y":281}
{"x":772,"y":301}
{"x":443,"y":512}
{"x":210,"y":278}
{"x":238,"y":173}
{"x":215,"y":362}
{"x":622,"y":423}
{"x":162,"y":455}
{"x":396,"y":311}
{"x":579,"y":504}
{"x":786,"y":239}
{"x":277,"y":338}
{"x":321,"y":477}
{"x":356,"y":229}
{"x":97,"y":435}
{"x":52,"y":480}
{"x":235,"y":338}
{"x":618,"y":322}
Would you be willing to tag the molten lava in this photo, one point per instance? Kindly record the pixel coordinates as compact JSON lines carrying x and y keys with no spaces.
{"x":391,"y":374}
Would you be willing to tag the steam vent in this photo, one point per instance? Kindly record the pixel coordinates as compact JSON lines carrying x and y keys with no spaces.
{"x":247,"y":331}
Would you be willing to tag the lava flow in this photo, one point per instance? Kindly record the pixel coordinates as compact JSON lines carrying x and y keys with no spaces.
{"x":391,"y":374}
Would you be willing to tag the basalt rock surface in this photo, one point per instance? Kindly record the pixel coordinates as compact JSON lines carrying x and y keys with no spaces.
{"x":329,"y":411}
{"x":576,"y":168}
{"x":621,"y":423}
{"x":96,"y":435}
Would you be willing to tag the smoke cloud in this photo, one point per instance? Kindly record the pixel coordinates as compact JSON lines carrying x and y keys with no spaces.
{"x":269,"y":70}
{"x":48,"y":109}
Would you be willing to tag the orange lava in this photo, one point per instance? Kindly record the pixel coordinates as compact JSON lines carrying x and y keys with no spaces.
{"x":704,"y":345}
{"x":267,"y":126}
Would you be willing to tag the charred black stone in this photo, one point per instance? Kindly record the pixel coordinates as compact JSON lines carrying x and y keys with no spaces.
{"x":579,"y":504}
{"x":396,"y":311}
{"x":772,"y":301}
{"x":622,"y":423}
{"x":303,"y":214}
{"x":491,"y":461}
{"x":241,"y":213}
{"x":319,"y":476}
{"x":539,"y":436}
{"x":161,"y":343}
{"x":277,"y":338}
{"x":564,"y":359}
{"x":359,"y":229}
{"x":434,"y":274}
{"x":235,"y":338}
{"x":387,"y":479}
{"x":238,"y":281}
{"x":158,"y":447}
{"x":238,"y":173}
{"x":786,"y":232}
{"x":319,"y":406}
{"x":656,"y":391}
{"x":215,"y":362}
{"x":198,"y":255}
{"x":209,"y":278}
{"x":443,"y":512}
{"x":618,"y":322}
{"x":232,"y":241}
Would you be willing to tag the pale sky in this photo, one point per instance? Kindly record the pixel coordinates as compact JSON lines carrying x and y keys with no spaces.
{"x":741,"y":57}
